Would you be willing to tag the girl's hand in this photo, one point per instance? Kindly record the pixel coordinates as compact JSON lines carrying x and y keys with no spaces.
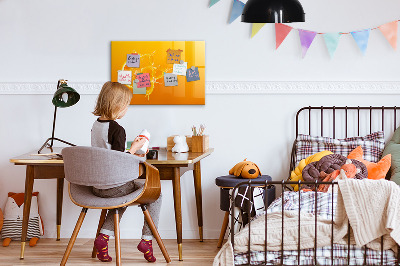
{"x":137,"y":144}
{"x":142,"y":155}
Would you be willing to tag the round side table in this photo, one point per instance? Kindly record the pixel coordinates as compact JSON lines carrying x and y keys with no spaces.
{"x":228,"y":182}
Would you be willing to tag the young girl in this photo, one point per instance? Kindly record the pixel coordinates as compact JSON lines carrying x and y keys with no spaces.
{"x":112,"y":103}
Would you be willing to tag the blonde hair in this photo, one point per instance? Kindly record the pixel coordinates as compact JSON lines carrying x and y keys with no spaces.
{"x":112,"y":99}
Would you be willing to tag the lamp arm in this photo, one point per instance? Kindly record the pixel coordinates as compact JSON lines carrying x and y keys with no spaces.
{"x":54,"y":126}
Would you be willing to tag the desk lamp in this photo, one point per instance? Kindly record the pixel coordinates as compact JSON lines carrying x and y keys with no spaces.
{"x":272,"y":11}
{"x":64,"y":96}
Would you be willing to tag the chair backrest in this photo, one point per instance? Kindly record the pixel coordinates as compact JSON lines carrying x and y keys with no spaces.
{"x":92,"y":166}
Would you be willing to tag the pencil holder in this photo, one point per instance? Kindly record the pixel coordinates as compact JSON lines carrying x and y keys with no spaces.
{"x":200,"y":143}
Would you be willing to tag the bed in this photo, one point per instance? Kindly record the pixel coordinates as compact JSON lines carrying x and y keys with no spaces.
{"x":289,"y":232}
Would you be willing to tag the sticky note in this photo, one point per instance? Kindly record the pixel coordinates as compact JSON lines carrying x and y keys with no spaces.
{"x":180,"y":69}
{"x":144,"y":80}
{"x":136,"y":90}
{"x":170,"y":79}
{"x":173,"y":56}
{"x":125,"y":77}
{"x":133,"y":60}
{"x":192,"y":74}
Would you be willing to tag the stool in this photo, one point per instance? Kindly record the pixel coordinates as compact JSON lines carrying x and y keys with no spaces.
{"x":226,"y":183}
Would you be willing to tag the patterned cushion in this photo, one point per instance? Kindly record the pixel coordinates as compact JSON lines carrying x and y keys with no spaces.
{"x":372,"y":144}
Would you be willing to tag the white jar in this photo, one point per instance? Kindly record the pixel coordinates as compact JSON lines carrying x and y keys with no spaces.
{"x":144,"y":134}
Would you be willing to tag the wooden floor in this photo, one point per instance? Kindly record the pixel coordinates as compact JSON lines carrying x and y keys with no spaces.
{"x":50,"y":252}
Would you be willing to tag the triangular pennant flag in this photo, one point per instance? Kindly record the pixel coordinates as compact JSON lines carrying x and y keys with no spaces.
{"x":281,"y":31}
{"x":237,"y":9}
{"x":213,"y":2}
{"x":389,"y":30}
{"x":332,"y":41}
{"x":256,"y":27}
{"x":306,"y":39}
{"x":361,"y":37}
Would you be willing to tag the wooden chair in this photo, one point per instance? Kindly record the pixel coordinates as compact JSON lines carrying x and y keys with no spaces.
{"x":85,"y":167}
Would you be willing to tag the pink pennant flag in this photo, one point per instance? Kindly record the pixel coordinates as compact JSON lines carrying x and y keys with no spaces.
{"x":389,"y":30}
{"x":306,"y":39}
{"x":281,"y":31}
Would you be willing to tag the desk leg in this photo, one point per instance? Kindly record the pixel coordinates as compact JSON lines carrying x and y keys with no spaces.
{"x":60,"y":190}
{"x":27,"y":206}
{"x":176,"y":182}
{"x":199,"y":204}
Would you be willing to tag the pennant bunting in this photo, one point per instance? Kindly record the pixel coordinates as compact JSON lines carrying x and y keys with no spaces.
{"x":389,"y":30}
{"x":361,"y":37}
{"x":237,"y":9}
{"x":281,"y":31}
{"x":213,"y":2}
{"x":306,"y":39}
{"x":332,"y":41}
{"x":256,"y":27}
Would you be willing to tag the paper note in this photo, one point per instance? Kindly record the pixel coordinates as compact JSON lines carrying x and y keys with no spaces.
{"x":173,"y":56}
{"x":133,"y":60}
{"x":136,"y":90}
{"x":144,"y":80}
{"x":180,"y":69}
{"x":192,"y":74}
{"x":170,"y":79}
{"x":125,"y":77}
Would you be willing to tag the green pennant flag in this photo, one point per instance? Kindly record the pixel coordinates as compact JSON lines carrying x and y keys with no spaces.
{"x":256,"y":27}
{"x":213,"y":2}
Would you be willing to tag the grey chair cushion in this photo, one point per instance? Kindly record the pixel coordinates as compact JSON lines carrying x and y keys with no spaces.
{"x":83,"y":196}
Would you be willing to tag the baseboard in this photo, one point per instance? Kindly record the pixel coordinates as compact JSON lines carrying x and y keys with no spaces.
{"x":231,"y":87}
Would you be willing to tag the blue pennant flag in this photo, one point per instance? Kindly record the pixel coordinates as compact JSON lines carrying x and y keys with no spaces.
{"x":237,"y":9}
{"x":213,"y":2}
{"x":361,"y":38}
{"x":332,"y":41}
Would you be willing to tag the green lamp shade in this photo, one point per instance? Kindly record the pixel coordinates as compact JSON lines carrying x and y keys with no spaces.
{"x":65,"y":96}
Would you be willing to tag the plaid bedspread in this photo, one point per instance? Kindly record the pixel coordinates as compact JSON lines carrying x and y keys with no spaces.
{"x":307,"y":202}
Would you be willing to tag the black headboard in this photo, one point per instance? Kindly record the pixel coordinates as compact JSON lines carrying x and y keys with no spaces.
{"x":343,"y":122}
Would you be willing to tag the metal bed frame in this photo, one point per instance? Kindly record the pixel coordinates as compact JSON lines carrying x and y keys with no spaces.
{"x":283,"y":184}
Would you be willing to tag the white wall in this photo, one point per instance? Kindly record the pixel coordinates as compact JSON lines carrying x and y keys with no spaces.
{"x":42,"y":41}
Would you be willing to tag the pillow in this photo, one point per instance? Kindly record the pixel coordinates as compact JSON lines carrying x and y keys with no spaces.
{"x":375,"y":170}
{"x":296,"y":174}
{"x":393,"y":148}
{"x":372,"y":144}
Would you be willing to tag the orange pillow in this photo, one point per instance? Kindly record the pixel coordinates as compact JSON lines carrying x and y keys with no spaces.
{"x":375,"y":170}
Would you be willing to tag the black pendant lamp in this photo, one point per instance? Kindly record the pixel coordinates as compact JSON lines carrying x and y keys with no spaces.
{"x":273,"y":11}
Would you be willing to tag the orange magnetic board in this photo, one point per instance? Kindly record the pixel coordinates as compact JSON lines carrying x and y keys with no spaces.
{"x":157,"y":73}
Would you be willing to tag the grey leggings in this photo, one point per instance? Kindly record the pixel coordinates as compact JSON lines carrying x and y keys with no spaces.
{"x":154,"y":208}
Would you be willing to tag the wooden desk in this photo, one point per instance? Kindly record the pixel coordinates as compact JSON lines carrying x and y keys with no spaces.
{"x":171,"y":167}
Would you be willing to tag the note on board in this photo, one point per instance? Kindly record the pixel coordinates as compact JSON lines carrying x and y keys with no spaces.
{"x":136,"y":90}
{"x":173,"y":56}
{"x":125,"y":77}
{"x":170,"y":79}
{"x":133,"y":60}
{"x":180,"y":69}
{"x":192,"y":74}
{"x":144,"y":80}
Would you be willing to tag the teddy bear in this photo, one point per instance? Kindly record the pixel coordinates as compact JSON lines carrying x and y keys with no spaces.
{"x":180,"y":144}
{"x":13,"y":215}
{"x":245,"y":169}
